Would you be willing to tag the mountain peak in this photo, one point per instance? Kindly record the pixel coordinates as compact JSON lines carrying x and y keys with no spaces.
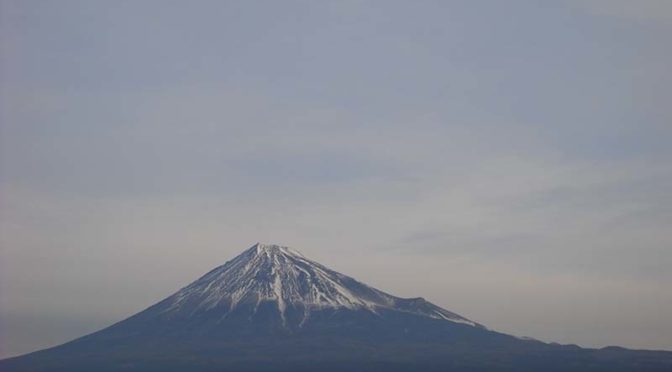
{"x":272,"y":249}
{"x":280,"y":277}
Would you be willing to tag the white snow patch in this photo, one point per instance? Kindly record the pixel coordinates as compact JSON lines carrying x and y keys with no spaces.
{"x":276,"y":273}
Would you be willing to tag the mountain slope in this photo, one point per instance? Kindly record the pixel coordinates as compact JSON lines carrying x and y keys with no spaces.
{"x":291,"y":282}
{"x":271,"y":308}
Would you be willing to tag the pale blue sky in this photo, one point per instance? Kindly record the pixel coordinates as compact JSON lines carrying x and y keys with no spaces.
{"x":509,"y":161}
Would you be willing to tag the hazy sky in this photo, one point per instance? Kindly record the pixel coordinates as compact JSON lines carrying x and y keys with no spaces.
{"x":507,"y":160}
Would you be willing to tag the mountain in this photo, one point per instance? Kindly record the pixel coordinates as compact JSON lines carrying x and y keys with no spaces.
{"x":272,"y":309}
{"x":289,"y":287}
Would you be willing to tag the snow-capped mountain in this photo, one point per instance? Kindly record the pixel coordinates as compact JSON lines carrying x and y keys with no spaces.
{"x":284,"y":277}
{"x":273,"y":309}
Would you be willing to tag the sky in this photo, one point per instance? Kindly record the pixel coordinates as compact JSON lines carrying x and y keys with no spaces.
{"x":508,"y":161}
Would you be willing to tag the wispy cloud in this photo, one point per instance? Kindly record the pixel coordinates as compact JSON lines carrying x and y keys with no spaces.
{"x":641,"y":10}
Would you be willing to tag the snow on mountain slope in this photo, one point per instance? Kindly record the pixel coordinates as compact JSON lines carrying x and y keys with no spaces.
{"x":280,"y":275}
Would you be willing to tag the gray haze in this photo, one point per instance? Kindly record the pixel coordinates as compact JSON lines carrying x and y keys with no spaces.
{"x":507,"y":160}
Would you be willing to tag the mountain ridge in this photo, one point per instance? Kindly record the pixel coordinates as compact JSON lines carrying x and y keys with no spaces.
{"x":279,"y":274}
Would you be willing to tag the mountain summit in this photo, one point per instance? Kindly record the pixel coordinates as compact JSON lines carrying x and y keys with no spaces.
{"x":295,"y":286}
{"x":273,"y":309}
